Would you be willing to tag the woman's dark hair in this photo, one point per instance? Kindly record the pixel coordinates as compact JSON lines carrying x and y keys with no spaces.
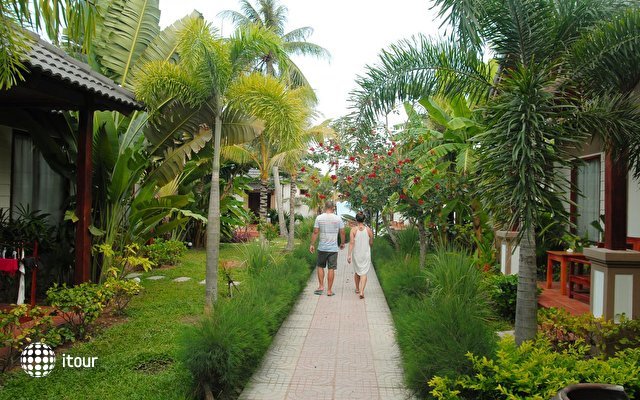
{"x":360,"y":216}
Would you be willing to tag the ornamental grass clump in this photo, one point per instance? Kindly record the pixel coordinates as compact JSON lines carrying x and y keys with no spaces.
{"x":437,"y":330}
{"x":223,"y":350}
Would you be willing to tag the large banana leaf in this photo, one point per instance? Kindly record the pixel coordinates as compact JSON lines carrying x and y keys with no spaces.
{"x":128,"y":28}
{"x":164,"y":46}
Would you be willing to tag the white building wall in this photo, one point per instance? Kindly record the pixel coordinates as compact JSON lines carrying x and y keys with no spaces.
{"x":300,"y":207}
{"x":5,"y":166}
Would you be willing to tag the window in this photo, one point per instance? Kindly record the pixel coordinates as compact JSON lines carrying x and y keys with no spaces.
{"x":587,"y":181}
{"x":34,"y":184}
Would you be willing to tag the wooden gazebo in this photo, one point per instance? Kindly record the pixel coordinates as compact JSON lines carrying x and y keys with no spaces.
{"x":55,"y":82}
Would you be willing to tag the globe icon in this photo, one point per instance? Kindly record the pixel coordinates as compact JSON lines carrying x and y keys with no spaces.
{"x":38,"y":360}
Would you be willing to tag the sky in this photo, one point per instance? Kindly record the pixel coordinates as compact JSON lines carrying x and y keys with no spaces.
{"x":353,"y":31}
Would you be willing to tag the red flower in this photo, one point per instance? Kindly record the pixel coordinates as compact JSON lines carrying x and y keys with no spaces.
{"x":307,"y":195}
{"x":334,"y":178}
{"x":437,"y":186}
{"x":322,"y":196}
{"x":303,"y":169}
{"x":320,"y":144}
{"x":393,"y":144}
{"x":416,"y":179}
{"x":390,"y":152}
{"x":421,"y":202}
{"x":336,"y":147}
{"x":372,"y":175}
{"x":403,"y":196}
{"x":352,"y":158}
{"x":349,"y":178}
{"x":407,"y":160}
{"x":311,"y":149}
{"x":397,"y":170}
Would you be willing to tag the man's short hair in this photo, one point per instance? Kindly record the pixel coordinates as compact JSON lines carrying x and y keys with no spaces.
{"x":329,"y":205}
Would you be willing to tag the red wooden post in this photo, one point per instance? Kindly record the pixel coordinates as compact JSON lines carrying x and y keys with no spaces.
{"x":615,"y":203}
{"x":33,"y":274}
{"x":83,"y":197}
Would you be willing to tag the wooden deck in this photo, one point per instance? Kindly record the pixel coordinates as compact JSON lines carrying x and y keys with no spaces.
{"x":553,"y":298}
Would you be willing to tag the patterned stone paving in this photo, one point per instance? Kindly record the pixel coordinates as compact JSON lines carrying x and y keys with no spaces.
{"x":333,"y":348}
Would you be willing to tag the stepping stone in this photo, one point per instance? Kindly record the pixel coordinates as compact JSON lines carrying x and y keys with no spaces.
{"x":202,"y":282}
{"x":132,"y":275}
{"x":182,"y":279}
{"x":136,"y":279}
{"x":504,"y":334}
{"x":156,"y":277}
{"x":236,"y":283}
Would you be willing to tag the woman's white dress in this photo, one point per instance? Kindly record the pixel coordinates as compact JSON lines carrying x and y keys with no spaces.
{"x":361,"y":256}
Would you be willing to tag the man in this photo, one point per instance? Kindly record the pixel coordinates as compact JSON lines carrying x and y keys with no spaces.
{"x":327,"y":226}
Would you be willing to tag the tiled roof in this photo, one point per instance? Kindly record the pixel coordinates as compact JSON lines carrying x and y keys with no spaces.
{"x":56,"y":63}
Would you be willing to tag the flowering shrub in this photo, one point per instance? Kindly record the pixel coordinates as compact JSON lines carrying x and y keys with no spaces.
{"x":534,"y":370}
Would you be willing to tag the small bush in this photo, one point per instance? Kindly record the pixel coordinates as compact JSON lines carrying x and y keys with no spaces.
{"x":536,"y":371}
{"x":305,"y":229}
{"x":268,"y":230}
{"x":80,"y":306}
{"x":256,"y":256}
{"x":22,"y":325}
{"x":408,"y":241}
{"x":604,"y":338}
{"x":503,"y":291}
{"x":401,"y":278}
{"x":120,"y":292}
{"x":225,"y":348}
{"x":165,"y":252}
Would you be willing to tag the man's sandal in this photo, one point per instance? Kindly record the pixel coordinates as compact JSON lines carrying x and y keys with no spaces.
{"x":318,"y":292}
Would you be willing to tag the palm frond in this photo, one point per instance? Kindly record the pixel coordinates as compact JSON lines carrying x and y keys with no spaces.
{"x":238,"y":154}
{"x":302,"y":48}
{"x":418,"y":68}
{"x":298,"y":34}
{"x":607,"y":57}
{"x":464,"y":17}
{"x":164,"y":46}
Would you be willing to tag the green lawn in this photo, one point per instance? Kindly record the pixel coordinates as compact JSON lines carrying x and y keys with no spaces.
{"x":137,"y":358}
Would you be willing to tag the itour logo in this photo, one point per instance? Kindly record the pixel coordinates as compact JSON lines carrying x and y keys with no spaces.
{"x":39,"y":359}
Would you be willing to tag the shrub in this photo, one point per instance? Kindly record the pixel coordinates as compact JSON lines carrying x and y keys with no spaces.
{"x":165,"y":252}
{"x":257,"y":255}
{"x":503,"y":291}
{"x":22,"y":325}
{"x":268,"y":230}
{"x":120,"y":292}
{"x":224,"y":349}
{"x":439,"y":317}
{"x":604,"y":338}
{"x":80,"y":306}
{"x":535,"y":371}
{"x":408,"y":240}
{"x":305,"y":228}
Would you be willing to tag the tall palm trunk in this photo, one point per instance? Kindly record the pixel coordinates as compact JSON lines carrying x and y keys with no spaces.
{"x":422,"y":233}
{"x":527,"y":302}
{"x":279,"y":205}
{"x":264,"y":194}
{"x":292,"y":211}
{"x":213,"y":222}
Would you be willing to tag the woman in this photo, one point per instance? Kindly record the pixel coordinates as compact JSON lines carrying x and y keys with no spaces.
{"x":361,"y":240}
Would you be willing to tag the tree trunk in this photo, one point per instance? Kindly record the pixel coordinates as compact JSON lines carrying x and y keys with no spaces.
{"x":422,"y":233}
{"x":292,"y":210}
{"x":213,"y":223}
{"x":279,"y":205}
{"x":392,"y":233}
{"x":527,"y":302}
{"x":264,"y":194}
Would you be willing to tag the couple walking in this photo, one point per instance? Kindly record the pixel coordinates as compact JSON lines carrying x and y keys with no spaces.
{"x":327,"y":226}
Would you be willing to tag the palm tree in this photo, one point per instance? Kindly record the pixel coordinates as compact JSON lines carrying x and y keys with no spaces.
{"x":48,"y":15}
{"x":210,"y":88}
{"x":272,"y":16}
{"x":537,"y":109}
{"x":291,"y":161}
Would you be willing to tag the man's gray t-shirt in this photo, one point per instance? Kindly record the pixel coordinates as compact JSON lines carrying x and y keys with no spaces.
{"x":329,"y":225}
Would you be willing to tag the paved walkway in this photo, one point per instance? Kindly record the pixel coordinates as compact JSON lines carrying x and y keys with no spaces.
{"x":336,"y":347}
